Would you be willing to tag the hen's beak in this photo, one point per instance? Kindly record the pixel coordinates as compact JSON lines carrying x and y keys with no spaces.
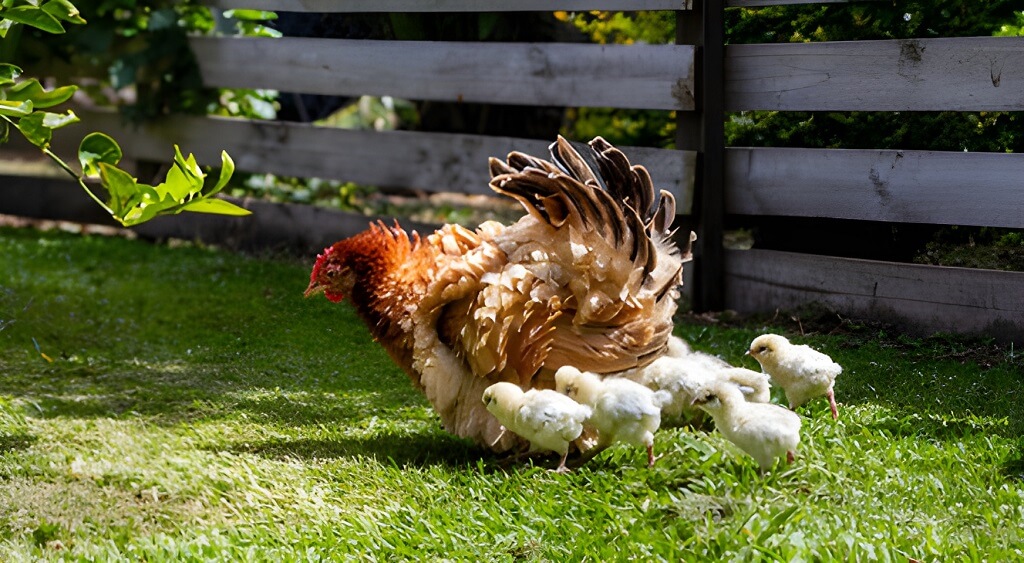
{"x":313,"y":289}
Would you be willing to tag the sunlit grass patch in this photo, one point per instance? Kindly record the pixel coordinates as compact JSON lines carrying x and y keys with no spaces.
{"x":195,"y":407}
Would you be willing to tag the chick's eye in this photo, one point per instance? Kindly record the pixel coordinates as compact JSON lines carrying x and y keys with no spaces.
{"x":762,"y":349}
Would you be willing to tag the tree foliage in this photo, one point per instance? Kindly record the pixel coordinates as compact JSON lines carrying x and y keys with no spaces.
{"x":970,"y":131}
{"x":22,"y":105}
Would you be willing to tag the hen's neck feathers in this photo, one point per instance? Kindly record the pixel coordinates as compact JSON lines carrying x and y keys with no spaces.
{"x":390,"y":272}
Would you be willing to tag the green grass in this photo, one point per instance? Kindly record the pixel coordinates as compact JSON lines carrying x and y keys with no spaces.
{"x":197,"y":408}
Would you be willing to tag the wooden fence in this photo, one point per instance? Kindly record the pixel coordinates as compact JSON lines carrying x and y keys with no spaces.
{"x":701,"y":78}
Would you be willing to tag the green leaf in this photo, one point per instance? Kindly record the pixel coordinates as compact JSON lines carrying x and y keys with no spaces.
{"x":227,"y":168}
{"x":5,"y":132}
{"x":149,"y":207}
{"x":32,"y":90}
{"x":97,"y":148}
{"x":250,"y":15}
{"x":189,"y":166}
{"x":121,"y":186}
{"x":15,"y":109}
{"x":214,"y":205}
{"x":35,"y":17}
{"x":5,"y":26}
{"x":33,"y":128}
{"x":63,"y":10}
{"x":178,"y":185}
{"x":8,"y":73}
{"x":58,"y":120}
{"x":184,"y":179}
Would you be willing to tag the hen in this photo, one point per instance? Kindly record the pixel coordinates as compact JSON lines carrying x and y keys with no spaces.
{"x":588,"y":277}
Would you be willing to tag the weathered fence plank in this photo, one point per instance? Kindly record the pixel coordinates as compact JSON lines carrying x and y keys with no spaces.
{"x":432,"y":162}
{"x":948,"y":74}
{"x":953,"y":188}
{"x":920,"y":298}
{"x":561,"y":74}
{"x":353,"y":6}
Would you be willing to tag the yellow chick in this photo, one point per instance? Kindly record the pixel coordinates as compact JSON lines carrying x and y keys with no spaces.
{"x":682,"y":376}
{"x":623,"y":410}
{"x":804,"y":373}
{"x":763,"y":430}
{"x":549,"y":420}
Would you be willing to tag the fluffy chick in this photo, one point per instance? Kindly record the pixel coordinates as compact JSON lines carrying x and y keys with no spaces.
{"x":804,"y":373}
{"x":762,"y":430}
{"x":754,"y":385}
{"x":623,"y":410}
{"x":683,"y":376}
{"x":549,"y":420}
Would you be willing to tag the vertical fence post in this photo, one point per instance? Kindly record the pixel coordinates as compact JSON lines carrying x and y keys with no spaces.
{"x":703,"y":130}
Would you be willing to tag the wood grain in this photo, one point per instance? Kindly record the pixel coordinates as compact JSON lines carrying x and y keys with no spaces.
{"x":563,"y":74}
{"x":431,"y":162}
{"x":917,"y":297}
{"x":952,"y":188}
{"x":949,"y":74}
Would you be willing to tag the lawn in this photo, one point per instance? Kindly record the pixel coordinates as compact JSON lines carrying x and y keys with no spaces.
{"x":182,"y":403}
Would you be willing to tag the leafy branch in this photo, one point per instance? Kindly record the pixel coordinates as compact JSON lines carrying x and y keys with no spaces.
{"x":22,"y":105}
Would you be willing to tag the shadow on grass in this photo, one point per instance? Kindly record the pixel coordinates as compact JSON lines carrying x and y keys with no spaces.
{"x":204,"y":393}
{"x":1014,"y":467}
{"x":940,"y":427}
{"x":423,"y":449}
{"x":16,"y":442}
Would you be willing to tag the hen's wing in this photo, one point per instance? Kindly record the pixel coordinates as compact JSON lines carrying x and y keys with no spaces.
{"x":592,"y":274}
{"x":588,"y":277}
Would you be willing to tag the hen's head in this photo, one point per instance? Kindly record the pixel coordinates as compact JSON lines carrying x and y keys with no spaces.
{"x":330,"y":276}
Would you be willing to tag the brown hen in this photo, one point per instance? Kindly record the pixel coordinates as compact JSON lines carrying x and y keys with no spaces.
{"x":588,"y":277}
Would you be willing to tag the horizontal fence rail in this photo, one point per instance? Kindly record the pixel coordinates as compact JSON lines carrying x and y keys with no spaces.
{"x":431,"y":162}
{"x":921,"y":298}
{"x":549,"y":74}
{"x":953,"y":188}
{"x":949,"y":74}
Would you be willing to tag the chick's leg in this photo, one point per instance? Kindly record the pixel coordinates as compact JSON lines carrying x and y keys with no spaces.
{"x":650,"y":455}
{"x":561,"y":465}
{"x":790,"y":456}
{"x":832,"y":403}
